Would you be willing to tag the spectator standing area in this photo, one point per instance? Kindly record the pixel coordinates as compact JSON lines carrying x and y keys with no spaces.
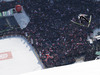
{"x":10,"y":20}
{"x":17,"y":57}
{"x":57,"y":40}
{"x":6,"y":0}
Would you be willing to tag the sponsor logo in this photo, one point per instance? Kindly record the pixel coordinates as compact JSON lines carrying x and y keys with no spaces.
{"x":5,"y":56}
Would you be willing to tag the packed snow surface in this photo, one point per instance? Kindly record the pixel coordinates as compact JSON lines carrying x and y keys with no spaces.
{"x":23,"y":57}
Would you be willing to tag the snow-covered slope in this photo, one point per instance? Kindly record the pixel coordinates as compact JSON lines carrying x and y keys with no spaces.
{"x":21,"y":57}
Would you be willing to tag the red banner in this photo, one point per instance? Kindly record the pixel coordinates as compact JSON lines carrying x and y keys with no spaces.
{"x":5,"y":56}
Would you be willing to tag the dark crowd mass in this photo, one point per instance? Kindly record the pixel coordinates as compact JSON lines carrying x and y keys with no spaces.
{"x":57,"y":40}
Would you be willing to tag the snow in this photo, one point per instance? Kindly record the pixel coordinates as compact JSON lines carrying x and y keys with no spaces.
{"x":86,"y":68}
{"x":24,"y":58}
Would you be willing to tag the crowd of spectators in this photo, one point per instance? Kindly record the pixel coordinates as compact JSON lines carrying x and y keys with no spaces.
{"x":56,"y":39}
